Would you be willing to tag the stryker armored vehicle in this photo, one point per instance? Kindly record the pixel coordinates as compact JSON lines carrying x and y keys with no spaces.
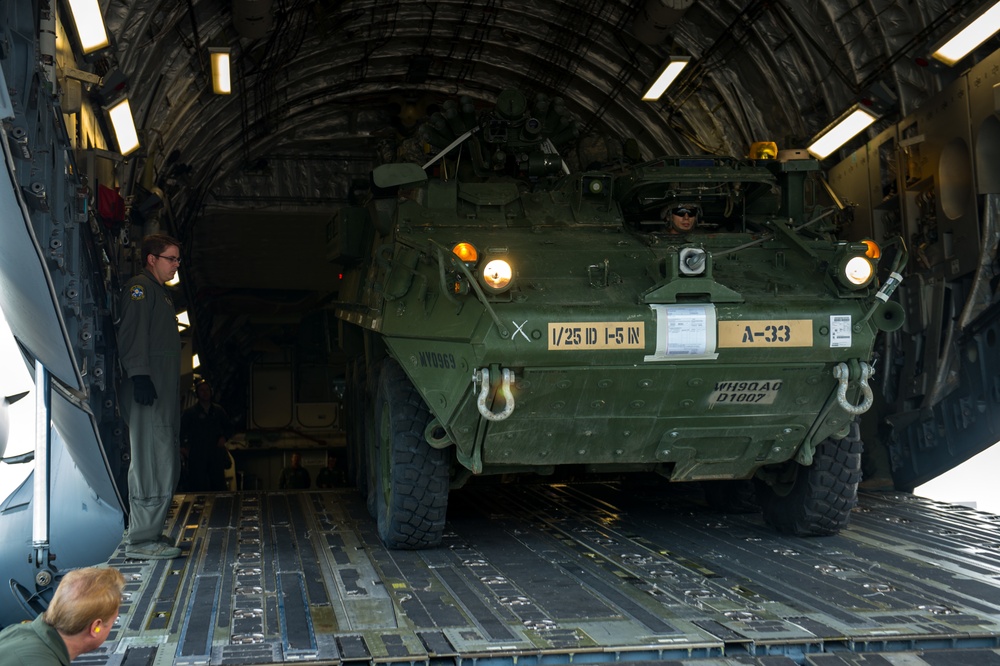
{"x":506,"y":316}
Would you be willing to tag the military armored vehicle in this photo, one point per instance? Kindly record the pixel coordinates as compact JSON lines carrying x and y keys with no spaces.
{"x":506,"y":316}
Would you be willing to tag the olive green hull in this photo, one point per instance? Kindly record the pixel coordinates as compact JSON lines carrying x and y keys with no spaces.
{"x":700,"y":356}
{"x":722,"y":413}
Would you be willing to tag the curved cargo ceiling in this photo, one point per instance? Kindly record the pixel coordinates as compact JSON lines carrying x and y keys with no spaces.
{"x":328,"y":79}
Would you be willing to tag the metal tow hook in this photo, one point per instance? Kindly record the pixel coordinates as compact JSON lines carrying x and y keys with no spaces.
{"x":482,"y":377}
{"x":842,"y":374}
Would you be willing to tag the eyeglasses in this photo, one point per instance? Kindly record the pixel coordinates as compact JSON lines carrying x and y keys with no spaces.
{"x":685,"y":212}
{"x":174,"y":260}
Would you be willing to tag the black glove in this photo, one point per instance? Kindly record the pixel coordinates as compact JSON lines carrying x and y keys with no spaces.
{"x":143,"y":390}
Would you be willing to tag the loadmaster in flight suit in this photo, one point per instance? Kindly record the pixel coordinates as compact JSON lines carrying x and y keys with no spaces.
{"x":149,"y":348}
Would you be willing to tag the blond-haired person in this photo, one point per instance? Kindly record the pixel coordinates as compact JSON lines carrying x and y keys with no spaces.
{"x":78,"y":620}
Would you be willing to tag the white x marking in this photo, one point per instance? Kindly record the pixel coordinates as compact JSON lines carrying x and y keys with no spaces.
{"x":518,"y":330}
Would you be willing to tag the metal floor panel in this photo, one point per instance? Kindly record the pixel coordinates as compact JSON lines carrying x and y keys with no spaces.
{"x":558,"y":574}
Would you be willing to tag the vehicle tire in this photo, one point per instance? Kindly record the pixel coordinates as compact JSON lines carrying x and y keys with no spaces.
{"x":817,"y":500}
{"x":369,"y":440}
{"x":350,"y":423}
{"x":355,"y":400}
{"x":411,"y":476}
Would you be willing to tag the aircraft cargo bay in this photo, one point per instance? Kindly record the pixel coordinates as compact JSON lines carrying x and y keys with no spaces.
{"x":541,"y":287}
{"x":586,"y":573}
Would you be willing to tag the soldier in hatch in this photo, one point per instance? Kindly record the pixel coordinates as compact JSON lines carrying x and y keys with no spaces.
{"x":150,"y":351}
{"x":680,"y":219}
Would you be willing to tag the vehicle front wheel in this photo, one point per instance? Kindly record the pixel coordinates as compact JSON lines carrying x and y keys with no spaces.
{"x":815,"y":500}
{"x":411,"y":476}
{"x":355,"y":403}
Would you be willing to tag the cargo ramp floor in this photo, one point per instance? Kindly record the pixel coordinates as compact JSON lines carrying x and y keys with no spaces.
{"x":551,"y":574}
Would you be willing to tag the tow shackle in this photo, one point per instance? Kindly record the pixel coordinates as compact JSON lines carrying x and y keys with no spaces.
{"x":481,"y":379}
{"x":843,"y":375}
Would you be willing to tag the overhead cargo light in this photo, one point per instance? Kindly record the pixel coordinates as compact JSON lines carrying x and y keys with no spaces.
{"x":89,"y":25}
{"x":670,"y":71}
{"x":195,"y":362}
{"x":968,"y":35}
{"x":841,"y":131}
{"x":123,"y":125}
{"x":221,"y":82}
{"x":183,"y":321}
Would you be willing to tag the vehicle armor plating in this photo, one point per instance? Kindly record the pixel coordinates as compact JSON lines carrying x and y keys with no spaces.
{"x":506,"y":316}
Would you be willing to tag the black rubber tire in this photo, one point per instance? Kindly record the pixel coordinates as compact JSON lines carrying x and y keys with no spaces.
{"x":412,"y":477}
{"x":355,"y":402}
{"x":369,"y":460}
{"x":820,"y":499}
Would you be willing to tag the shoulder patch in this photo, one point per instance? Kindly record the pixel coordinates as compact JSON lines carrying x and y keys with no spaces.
{"x":137,"y":293}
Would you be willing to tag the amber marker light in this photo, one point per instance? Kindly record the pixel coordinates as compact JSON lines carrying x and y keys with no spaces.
{"x":763,"y":150}
{"x":873,"y":251}
{"x":497,"y":275}
{"x":466,"y":252}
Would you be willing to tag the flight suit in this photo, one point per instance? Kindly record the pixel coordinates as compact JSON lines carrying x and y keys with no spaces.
{"x":149,"y":344}
{"x":32,"y":644}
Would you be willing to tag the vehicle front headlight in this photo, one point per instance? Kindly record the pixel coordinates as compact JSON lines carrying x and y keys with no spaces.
{"x":497,"y":275}
{"x":856,"y":272}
